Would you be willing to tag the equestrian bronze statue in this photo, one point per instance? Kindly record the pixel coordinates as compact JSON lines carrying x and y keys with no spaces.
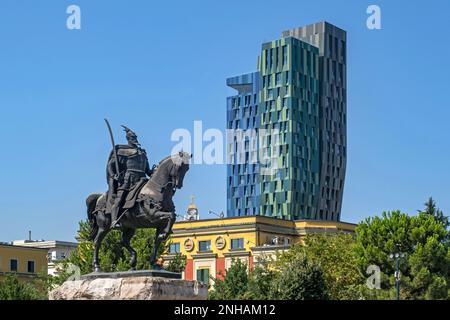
{"x":138,"y":196}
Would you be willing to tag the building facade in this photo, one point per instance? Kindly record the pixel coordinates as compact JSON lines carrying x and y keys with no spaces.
{"x":210,"y":245}
{"x":296,"y":105}
{"x":243,"y":117}
{"x":56,"y":250}
{"x":25,"y":262}
{"x":332,"y":44}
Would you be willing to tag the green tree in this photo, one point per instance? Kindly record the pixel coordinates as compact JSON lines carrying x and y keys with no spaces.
{"x":299,"y":278}
{"x":433,"y":210}
{"x":233,"y":284}
{"x":177,"y":264}
{"x":425,"y":269}
{"x":260,"y":284}
{"x":335,"y":253}
{"x":12,"y":289}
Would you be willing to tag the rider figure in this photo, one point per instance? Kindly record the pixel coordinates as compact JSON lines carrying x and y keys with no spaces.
{"x":133,"y":166}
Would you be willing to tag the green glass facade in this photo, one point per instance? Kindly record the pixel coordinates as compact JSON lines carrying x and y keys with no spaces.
{"x":289,"y":102}
{"x":332,"y":44}
{"x":296,"y":101}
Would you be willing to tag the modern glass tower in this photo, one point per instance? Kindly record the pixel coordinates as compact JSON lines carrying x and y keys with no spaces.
{"x":332,"y":44}
{"x":243,"y":116}
{"x":296,"y":102}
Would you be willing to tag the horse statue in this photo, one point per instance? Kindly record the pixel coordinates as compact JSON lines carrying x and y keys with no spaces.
{"x":153,"y":208}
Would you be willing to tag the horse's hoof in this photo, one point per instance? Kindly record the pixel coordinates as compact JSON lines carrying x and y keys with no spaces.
{"x":97,"y":269}
{"x":132,"y":269}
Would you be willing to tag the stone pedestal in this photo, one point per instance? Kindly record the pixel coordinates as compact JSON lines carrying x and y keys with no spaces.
{"x":132,"y":285}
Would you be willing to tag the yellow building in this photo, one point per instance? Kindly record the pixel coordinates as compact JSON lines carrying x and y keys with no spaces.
{"x":210,"y":245}
{"x":25,"y":262}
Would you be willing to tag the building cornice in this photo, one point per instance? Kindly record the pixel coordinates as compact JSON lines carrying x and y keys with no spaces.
{"x":271,"y":248}
{"x":10,"y":246}
{"x":237,"y":253}
{"x":204,"y":256}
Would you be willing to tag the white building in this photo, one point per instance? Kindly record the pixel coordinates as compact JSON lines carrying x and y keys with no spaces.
{"x":57,"y":250}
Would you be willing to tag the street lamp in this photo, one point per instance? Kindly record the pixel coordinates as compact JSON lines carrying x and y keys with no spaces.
{"x":220,"y":215}
{"x":397,"y":275}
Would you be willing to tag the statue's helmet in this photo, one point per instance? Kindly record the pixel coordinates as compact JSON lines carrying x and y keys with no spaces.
{"x":130,"y":135}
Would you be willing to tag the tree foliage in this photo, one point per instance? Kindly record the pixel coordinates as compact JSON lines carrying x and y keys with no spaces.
{"x":177,"y":264}
{"x":300,"y":278}
{"x":13,"y":289}
{"x":297,"y":278}
{"x":425,"y":269}
{"x":335,"y":253}
{"x":260,"y":286}
{"x":233,"y":284}
{"x":433,"y":210}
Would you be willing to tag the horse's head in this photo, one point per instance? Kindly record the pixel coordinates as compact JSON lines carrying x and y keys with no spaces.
{"x":168,"y":175}
{"x":180,"y":166}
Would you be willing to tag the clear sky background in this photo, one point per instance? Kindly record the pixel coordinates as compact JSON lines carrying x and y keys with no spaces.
{"x":159,"y":65}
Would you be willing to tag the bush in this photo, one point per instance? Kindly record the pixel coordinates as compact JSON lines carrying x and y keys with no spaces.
{"x":297,"y":278}
{"x":177,"y":264}
{"x":300,"y":279}
{"x":234,"y":284}
{"x":12,"y":289}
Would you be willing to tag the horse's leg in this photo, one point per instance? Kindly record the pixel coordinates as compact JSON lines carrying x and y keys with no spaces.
{"x":158,"y":240}
{"x":172,"y":219}
{"x":97,"y":243}
{"x":169,"y":220}
{"x":103,"y":223}
{"x":127,"y":234}
{"x":161,"y":235}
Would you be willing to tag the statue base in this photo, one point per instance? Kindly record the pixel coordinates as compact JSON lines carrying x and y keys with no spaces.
{"x":131,"y":285}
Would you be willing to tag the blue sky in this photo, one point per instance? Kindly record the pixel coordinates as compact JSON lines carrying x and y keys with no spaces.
{"x":158,"y":66}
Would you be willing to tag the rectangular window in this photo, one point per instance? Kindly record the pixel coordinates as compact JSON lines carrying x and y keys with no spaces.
{"x":30,"y":267}
{"x":278,"y":79}
{"x":330,"y":44}
{"x":270,"y":58}
{"x":237,"y":243}
{"x":203,"y":275}
{"x":174,"y":247}
{"x":276,"y":56}
{"x":285,"y":55}
{"x":13,"y":265}
{"x":206,"y":245}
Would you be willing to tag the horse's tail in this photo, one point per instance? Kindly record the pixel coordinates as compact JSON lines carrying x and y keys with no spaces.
{"x":91,"y":203}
